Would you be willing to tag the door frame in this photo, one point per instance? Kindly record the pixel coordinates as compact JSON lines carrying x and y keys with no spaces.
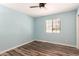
{"x":77,"y":31}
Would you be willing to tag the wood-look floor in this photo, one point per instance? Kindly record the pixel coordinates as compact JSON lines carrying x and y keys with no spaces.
{"x":37,"y":48}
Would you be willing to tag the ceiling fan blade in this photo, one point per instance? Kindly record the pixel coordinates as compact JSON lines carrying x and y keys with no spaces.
{"x":34,"y":6}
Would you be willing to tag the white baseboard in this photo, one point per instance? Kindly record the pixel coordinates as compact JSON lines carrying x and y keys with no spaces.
{"x":15,"y":47}
{"x":56,"y":43}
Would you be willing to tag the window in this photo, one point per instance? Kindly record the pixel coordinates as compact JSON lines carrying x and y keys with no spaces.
{"x":53,"y":26}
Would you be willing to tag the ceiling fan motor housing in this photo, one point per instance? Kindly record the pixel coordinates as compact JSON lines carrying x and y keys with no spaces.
{"x":42,"y":5}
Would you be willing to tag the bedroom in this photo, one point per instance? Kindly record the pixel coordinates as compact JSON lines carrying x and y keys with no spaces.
{"x":36,"y":29}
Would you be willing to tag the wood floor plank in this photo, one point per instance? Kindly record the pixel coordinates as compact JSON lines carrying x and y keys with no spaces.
{"x":32,"y":51}
{"x":38,"y":48}
{"x":5,"y":54}
{"x":21,"y":52}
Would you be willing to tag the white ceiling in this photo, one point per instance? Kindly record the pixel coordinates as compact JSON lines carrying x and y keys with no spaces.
{"x":51,"y":8}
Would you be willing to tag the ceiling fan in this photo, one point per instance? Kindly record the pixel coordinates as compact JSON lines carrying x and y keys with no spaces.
{"x":40,"y":5}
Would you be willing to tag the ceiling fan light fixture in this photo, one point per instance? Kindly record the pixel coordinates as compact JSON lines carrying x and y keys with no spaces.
{"x":41,"y":5}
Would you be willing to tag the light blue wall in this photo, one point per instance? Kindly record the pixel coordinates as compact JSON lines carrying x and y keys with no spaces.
{"x":15,"y":28}
{"x":78,"y":12}
{"x":68,"y":29}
